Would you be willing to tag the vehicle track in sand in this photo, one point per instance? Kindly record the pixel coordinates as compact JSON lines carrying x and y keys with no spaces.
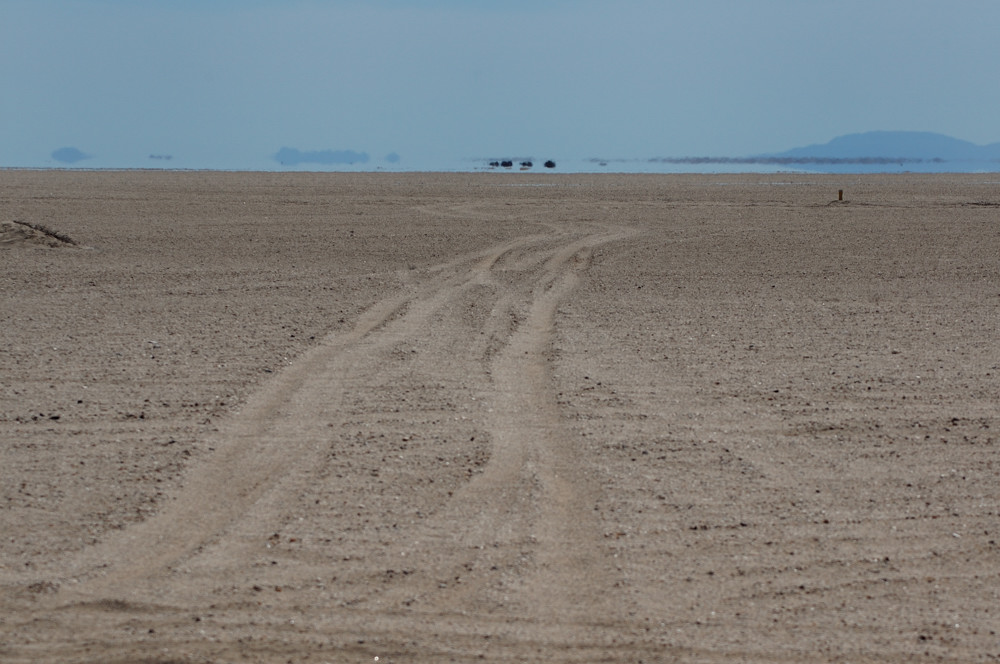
{"x":515,"y":538}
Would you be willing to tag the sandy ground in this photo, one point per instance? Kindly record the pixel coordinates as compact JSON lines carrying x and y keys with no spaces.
{"x":500,"y":417}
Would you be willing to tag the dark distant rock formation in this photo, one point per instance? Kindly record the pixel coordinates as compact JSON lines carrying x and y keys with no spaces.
{"x":523,"y":163}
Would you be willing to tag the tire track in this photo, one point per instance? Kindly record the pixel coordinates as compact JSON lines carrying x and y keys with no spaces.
{"x":517,"y":540}
{"x":281,"y":428}
{"x":571,"y":573}
{"x":522,"y":537}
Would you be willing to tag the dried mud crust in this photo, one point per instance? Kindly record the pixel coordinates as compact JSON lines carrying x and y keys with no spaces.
{"x":444,"y":417}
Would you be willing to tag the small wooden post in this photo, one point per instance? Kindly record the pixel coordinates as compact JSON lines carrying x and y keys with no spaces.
{"x":840,"y":194}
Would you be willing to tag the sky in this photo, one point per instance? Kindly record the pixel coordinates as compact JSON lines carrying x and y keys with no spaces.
{"x":229,"y":83}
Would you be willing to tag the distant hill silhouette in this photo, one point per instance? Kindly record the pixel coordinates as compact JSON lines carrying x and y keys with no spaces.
{"x":291,"y":157}
{"x":871,"y":152}
{"x":69,"y":155}
{"x":905,"y":145}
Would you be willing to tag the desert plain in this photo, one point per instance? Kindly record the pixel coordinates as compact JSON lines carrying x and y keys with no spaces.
{"x":505,"y":417}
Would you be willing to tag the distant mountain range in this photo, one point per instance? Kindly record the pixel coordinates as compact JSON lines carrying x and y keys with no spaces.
{"x":872,"y":151}
{"x":897,"y":145}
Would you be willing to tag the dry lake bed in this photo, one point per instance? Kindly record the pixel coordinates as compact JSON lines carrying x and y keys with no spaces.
{"x":261,"y":417}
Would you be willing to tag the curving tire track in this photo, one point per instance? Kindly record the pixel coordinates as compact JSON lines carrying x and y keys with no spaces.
{"x":515,"y":540}
{"x":281,"y":427}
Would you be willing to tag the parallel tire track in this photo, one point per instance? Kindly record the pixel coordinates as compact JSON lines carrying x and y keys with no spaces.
{"x":521,"y":534}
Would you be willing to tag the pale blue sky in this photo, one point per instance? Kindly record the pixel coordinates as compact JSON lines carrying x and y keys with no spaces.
{"x":226,"y":83}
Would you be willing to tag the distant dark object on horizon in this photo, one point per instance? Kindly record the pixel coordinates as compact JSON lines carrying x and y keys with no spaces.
{"x":69,"y":155}
{"x":525,"y":164}
{"x":291,"y":157}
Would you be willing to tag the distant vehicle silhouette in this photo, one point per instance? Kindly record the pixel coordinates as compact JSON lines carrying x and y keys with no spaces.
{"x":507,"y":163}
{"x":550,"y":164}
